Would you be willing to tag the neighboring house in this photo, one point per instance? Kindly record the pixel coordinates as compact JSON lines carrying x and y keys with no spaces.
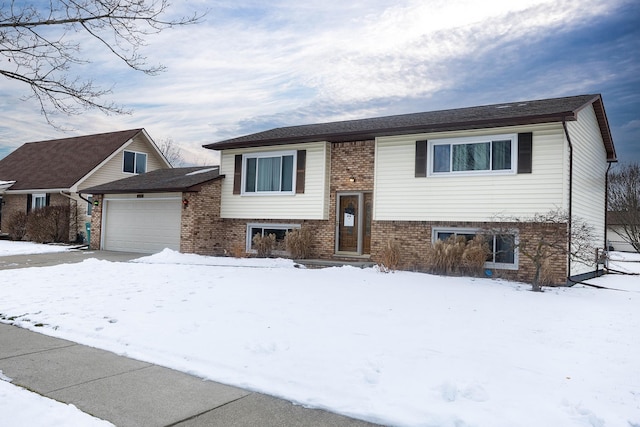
{"x":52,"y":172}
{"x":165,"y":208}
{"x":616,"y":237}
{"x":416,"y":178}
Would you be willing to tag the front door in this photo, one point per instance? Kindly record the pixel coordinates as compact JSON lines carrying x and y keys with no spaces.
{"x":354,"y":223}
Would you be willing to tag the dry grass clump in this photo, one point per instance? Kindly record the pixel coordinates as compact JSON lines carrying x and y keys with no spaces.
{"x":298,"y":242}
{"x":264,"y":244}
{"x":238,"y":250}
{"x":390,"y":256}
{"x":456,"y":256}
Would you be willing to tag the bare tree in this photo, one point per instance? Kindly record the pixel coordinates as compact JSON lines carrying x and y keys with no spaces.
{"x":545,"y":236}
{"x":41,"y":41}
{"x":624,"y":201}
{"x":171,"y":152}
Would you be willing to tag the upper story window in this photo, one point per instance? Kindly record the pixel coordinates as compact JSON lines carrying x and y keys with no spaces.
{"x":134,"y":162}
{"x":269,"y":173}
{"x":495,"y":154}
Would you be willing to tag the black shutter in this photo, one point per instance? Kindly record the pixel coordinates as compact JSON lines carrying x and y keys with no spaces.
{"x":525,"y":152}
{"x":48,"y":200}
{"x":421,"y":159}
{"x":300,"y":171}
{"x":237,"y":175}
{"x":28,"y":203}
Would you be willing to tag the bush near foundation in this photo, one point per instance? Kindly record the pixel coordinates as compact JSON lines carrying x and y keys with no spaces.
{"x":17,"y":226}
{"x":48,"y":224}
{"x":298,"y":242}
{"x":264,"y":244}
{"x":457,"y":255}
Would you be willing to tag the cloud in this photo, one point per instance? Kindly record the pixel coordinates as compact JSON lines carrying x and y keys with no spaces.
{"x":253,"y":65}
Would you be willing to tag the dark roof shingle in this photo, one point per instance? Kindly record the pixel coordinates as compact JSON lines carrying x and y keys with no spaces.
{"x":513,"y":113}
{"x":160,"y":180}
{"x":60,"y":163}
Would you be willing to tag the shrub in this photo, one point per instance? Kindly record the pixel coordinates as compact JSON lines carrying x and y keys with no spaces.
{"x":48,"y":224}
{"x":17,"y":226}
{"x":475,"y":256}
{"x":390,"y":256}
{"x":456,"y":255}
{"x":298,"y":242}
{"x":264,"y":244}
{"x":445,"y":255}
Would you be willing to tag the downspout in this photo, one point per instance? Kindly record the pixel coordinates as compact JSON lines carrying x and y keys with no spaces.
{"x":569,"y":209}
{"x":68,"y":196}
{"x":606,"y":204}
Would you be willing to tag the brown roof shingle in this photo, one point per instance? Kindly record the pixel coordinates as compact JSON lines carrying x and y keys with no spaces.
{"x":513,"y":113}
{"x":60,"y":163}
{"x":161,"y":180}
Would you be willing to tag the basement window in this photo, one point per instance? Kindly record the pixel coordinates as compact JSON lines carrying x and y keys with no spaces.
{"x":279,"y":230}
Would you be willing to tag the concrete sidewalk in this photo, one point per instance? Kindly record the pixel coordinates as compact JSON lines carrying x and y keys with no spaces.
{"x":128,"y":392}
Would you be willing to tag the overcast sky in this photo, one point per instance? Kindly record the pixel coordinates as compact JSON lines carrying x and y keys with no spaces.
{"x":254,"y":65}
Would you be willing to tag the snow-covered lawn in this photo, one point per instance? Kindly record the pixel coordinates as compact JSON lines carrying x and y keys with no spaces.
{"x":8,"y":247}
{"x":402,"y":348}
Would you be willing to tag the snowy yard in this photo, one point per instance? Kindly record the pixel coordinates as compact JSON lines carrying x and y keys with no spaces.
{"x":402,"y":348}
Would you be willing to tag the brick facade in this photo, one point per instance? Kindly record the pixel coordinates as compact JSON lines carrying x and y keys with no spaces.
{"x":201,"y":229}
{"x":352,"y":169}
{"x":13,"y":203}
{"x":96,"y":222}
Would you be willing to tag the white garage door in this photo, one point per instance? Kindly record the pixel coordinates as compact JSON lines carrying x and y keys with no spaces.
{"x":142,"y":225}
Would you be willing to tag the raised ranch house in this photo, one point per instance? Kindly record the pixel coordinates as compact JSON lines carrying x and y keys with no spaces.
{"x":44,"y":173}
{"x":411,"y":179}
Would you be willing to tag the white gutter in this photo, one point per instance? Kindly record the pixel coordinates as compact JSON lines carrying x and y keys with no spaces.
{"x":5,"y":184}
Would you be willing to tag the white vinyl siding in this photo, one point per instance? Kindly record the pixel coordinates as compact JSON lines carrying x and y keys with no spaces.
{"x":589,"y":170}
{"x":399,"y":195}
{"x":112,"y":169}
{"x":312,"y":204}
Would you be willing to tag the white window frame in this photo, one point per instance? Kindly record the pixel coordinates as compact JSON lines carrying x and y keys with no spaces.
{"x":135,"y":161}
{"x":488,"y":264}
{"x":269,"y":154}
{"x":251,"y":226}
{"x":38,"y":196}
{"x":513,"y":137}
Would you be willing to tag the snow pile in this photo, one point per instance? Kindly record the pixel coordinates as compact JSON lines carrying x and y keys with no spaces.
{"x":403,"y":348}
{"x":168,"y":256}
{"x":20,"y":407}
{"x":28,"y":248}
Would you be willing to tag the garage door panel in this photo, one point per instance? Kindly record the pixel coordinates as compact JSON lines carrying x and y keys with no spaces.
{"x":144,"y":226}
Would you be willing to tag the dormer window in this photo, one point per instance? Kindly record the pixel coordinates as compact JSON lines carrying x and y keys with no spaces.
{"x":134,"y":162}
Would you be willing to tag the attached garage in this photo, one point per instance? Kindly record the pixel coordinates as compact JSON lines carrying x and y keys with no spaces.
{"x":144,"y":225}
{"x":144,"y":213}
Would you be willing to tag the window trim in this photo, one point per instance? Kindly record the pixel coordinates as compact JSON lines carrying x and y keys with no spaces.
{"x":38,"y":196}
{"x":513,"y":137}
{"x":488,"y":264}
{"x":269,"y":154}
{"x":278,"y":226}
{"x":89,"y":205}
{"x":135,"y":161}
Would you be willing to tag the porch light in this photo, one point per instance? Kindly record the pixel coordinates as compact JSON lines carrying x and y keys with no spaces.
{"x":352,"y":179}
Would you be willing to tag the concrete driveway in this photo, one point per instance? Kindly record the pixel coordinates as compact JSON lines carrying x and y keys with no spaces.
{"x":67,"y":257}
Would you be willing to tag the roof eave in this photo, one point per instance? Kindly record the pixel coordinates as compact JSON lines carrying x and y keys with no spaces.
{"x":373,"y":133}
{"x":167,"y":189}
